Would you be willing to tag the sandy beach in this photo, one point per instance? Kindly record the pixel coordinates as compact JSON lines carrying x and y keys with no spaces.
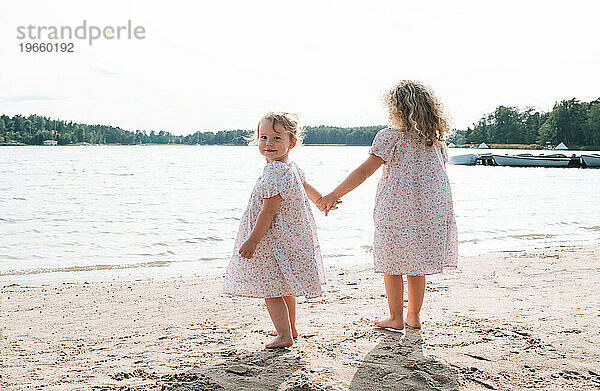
{"x":502,"y":321}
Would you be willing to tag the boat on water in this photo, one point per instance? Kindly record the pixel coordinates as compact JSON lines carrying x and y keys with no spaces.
{"x":591,"y":160}
{"x":464,"y":160}
{"x":528,"y":160}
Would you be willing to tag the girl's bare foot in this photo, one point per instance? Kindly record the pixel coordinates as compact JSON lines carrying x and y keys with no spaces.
{"x":390,"y":323}
{"x":413,"y":322}
{"x":280,"y":342}
{"x":294,"y":333}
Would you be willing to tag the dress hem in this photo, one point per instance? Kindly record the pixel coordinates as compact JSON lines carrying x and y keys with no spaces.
{"x":428,"y":273}
{"x":270,"y":296}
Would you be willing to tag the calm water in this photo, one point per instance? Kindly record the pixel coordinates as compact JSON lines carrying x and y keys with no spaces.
{"x":169,"y":210}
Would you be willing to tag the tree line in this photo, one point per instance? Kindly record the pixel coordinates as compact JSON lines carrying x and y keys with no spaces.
{"x":34,"y":129}
{"x":570,"y":121}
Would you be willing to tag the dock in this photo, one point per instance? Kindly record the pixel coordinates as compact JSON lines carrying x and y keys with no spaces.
{"x":487,"y":159}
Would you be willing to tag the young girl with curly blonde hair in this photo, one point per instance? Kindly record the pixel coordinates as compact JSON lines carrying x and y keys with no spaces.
{"x":276,"y":254}
{"x":415,"y":228}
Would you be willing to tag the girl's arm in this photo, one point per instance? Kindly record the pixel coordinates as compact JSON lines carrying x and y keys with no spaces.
{"x":263,"y":222}
{"x":312,"y":193}
{"x":356,"y":177}
{"x":315,"y":197}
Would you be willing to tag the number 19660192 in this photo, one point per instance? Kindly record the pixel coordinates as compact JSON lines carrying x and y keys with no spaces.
{"x":64,"y":47}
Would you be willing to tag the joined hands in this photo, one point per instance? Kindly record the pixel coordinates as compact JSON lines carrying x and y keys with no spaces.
{"x":328,"y":202}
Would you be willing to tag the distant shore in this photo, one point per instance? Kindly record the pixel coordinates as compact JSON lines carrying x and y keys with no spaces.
{"x":464,"y":146}
{"x":504,"y":321}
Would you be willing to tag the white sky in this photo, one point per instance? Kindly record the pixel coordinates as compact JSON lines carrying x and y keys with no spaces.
{"x":222,"y":65}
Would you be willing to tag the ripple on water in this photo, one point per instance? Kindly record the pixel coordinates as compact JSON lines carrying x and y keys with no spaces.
{"x":593,"y":228}
{"x":8,"y":256}
{"x":86,"y":268}
{"x":203,"y":239}
{"x":336,"y":255}
{"x":532,"y":236}
{"x":231,"y":218}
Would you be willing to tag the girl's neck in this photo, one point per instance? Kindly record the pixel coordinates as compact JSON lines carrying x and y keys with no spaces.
{"x":283,"y":159}
{"x":396,"y":127}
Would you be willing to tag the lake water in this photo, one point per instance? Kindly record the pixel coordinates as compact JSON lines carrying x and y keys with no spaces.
{"x":170,"y":210}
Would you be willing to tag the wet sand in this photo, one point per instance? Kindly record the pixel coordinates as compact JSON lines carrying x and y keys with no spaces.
{"x":505,"y":321}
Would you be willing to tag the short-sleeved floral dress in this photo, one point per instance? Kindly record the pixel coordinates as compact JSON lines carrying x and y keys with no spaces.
{"x":287,"y":260}
{"x":415,"y":227}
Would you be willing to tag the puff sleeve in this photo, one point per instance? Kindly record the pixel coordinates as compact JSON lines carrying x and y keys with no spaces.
{"x":276,"y":179}
{"x":444,"y":149}
{"x":301,"y":173}
{"x":384,"y":143}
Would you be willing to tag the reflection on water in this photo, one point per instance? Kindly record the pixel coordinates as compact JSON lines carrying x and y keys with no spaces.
{"x":75,"y":208}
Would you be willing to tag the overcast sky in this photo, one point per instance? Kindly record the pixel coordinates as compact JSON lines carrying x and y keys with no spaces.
{"x":222,"y":65}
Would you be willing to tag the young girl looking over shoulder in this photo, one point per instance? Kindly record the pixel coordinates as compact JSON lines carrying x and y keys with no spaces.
{"x":415,"y":228}
{"x":276,"y":254}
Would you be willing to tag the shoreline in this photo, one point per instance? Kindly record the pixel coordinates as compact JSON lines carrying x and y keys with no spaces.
{"x":516,"y":147}
{"x":511,"y":320}
{"x":153,"y":269}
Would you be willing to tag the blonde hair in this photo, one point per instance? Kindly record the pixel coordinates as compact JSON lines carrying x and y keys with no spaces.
{"x":414,"y":108}
{"x":288,"y":121}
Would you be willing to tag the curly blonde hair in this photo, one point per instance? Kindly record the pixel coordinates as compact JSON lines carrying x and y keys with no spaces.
{"x":413,"y":107}
{"x":288,"y":121}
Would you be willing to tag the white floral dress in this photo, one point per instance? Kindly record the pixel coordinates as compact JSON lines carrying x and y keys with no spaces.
{"x":415,"y":227}
{"x":287,"y":260}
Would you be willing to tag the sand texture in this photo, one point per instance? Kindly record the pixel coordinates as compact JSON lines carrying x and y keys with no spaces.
{"x":503,"y":321}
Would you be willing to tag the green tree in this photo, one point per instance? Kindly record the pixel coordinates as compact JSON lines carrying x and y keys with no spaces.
{"x":505,"y":126}
{"x":592,"y":124}
{"x":18,"y":123}
{"x":532,"y":120}
{"x":479,"y":134}
{"x":548,"y":132}
{"x":569,"y":120}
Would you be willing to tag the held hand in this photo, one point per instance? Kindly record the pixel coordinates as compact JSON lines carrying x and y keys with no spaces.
{"x":322,"y":202}
{"x":319,"y":205}
{"x":247,"y":249}
{"x":328,"y":202}
{"x":323,"y":207}
{"x":334,"y":207}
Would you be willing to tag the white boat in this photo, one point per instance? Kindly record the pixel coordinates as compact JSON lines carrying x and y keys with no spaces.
{"x":464,"y":160}
{"x":591,"y":160}
{"x":528,"y":160}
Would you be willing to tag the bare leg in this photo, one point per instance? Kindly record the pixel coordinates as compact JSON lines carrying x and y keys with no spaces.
{"x":394,"y":288}
{"x":290,"y":302}
{"x":278,"y":312}
{"x":416,"y":291}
